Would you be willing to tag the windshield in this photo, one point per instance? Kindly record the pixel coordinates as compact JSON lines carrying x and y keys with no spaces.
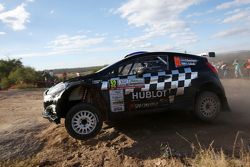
{"x":106,"y":67}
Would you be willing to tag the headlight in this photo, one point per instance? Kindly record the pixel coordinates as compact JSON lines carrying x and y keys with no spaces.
{"x":57,"y":89}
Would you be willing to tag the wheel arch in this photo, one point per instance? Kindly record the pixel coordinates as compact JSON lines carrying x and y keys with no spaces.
{"x":215,"y":88}
{"x":77,"y":94}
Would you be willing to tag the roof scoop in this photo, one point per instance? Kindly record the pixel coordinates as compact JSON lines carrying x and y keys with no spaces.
{"x":135,"y":53}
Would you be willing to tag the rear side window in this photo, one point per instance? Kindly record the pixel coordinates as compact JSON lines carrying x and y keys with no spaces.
{"x":181,"y":61}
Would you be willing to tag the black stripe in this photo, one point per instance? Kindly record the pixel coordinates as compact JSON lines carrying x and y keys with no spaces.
{"x":173,"y":92}
{"x":181,"y":70}
{"x":161,"y":79}
{"x":152,"y":87}
{"x":147,"y":80}
{"x":188,"y":76}
{"x":167,"y":85}
{"x":181,"y":84}
{"x":175,"y":77}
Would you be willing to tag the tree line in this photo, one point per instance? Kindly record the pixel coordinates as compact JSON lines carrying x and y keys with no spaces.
{"x":14,"y":74}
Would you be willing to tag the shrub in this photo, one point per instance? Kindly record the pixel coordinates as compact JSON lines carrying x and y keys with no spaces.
{"x":12,"y":72}
{"x":23,"y":75}
{"x":5,"y":83}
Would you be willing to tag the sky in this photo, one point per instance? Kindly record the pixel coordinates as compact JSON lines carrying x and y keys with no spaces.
{"x":48,"y":34}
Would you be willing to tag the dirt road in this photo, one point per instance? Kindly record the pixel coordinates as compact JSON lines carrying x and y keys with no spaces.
{"x":136,"y":141}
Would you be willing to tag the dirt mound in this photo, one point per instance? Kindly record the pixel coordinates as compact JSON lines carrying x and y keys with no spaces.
{"x":109,"y":148}
{"x":104,"y":150}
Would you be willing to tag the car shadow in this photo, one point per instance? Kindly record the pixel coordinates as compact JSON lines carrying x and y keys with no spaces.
{"x":179,"y":134}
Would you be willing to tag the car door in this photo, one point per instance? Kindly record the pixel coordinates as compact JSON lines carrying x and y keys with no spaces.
{"x":123,"y":81}
{"x":156,"y":90}
{"x":129,"y":91}
{"x":184,"y":73}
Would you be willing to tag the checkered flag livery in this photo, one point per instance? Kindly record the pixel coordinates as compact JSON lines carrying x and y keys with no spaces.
{"x":176,"y":81}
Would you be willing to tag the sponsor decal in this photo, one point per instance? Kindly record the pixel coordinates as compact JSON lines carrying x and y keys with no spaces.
{"x":182,"y":61}
{"x":116,"y":100}
{"x":127,"y":83}
{"x":123,"y":82}
{"x":149,"y":94}
{"x":146,"y":105}
{"x":136,"y":81}
{"x":113,"y":84}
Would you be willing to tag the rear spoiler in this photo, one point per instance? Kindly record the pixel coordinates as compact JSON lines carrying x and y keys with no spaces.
{"x":209,"y":54}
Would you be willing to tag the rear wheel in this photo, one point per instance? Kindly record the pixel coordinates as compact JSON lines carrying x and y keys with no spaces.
{"x":83,"y":121}
{"x":207,"y":106}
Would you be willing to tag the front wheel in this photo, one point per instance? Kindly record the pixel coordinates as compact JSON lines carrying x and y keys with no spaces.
{"x":207,"y":106}
{"x":83,"y":121}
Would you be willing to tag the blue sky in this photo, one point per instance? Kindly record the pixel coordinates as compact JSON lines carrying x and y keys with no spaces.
{"x":64,"y":34}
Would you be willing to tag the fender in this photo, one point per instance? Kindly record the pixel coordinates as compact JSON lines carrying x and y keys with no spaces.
{"x":216,"y":87}
{"x":64,"y":104}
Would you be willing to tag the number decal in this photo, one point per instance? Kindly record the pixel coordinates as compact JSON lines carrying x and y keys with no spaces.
{"x":113,"y":83}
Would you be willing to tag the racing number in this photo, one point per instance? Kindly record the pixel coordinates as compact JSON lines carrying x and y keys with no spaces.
{"x":113,"y":84}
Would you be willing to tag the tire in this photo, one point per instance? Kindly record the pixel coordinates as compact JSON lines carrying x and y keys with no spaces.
{"x":207,"y":106}
{"x":83,"y":121}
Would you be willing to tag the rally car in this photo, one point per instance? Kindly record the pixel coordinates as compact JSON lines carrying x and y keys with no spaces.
{"x":141,"y":82}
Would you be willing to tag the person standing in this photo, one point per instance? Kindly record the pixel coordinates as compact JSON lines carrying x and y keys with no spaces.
{"x":247,"y":66}
{"x":224,"y":69}
{"x":237,"y":69}
{"x":64,"y":75}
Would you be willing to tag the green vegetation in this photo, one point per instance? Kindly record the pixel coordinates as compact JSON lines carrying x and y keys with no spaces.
{"x":14,"y":73}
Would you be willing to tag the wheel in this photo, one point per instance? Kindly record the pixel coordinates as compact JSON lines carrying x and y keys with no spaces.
{"x":83,"y":121}
{"x":207,"y":106}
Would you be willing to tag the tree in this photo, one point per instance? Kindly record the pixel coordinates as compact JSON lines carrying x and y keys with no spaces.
{"x":12,"y":72}
{"x":6,"y":66}
{"x":23,"y":75}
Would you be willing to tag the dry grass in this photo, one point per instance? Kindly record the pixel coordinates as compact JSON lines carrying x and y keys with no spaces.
{"x":210,"y":158}
{"x":203,"y":158}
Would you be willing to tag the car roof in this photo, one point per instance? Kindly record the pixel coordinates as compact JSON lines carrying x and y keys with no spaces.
{"x":144,"y":53}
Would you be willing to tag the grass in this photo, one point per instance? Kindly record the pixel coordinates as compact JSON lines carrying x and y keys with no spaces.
{"x":203,"y":158}
{"x":209,"y":157}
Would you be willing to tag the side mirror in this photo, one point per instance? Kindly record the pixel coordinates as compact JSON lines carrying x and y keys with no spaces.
{"x":211,"y":54}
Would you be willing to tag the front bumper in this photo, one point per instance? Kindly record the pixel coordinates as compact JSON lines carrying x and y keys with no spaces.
{"x":50,"y":114}
{"x":50,"y":108}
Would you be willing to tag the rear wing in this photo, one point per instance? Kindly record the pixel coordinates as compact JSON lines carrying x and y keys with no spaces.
{"x":209,"y":54}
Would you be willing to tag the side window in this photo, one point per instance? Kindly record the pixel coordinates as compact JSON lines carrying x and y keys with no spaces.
{"x":152,"y":63}
{"x":125,"y":70}
{"x":156,"y":63}
{"x":137,"y":65}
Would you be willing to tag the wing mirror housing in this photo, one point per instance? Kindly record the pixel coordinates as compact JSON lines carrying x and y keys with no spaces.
{"x":211,"y":54}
